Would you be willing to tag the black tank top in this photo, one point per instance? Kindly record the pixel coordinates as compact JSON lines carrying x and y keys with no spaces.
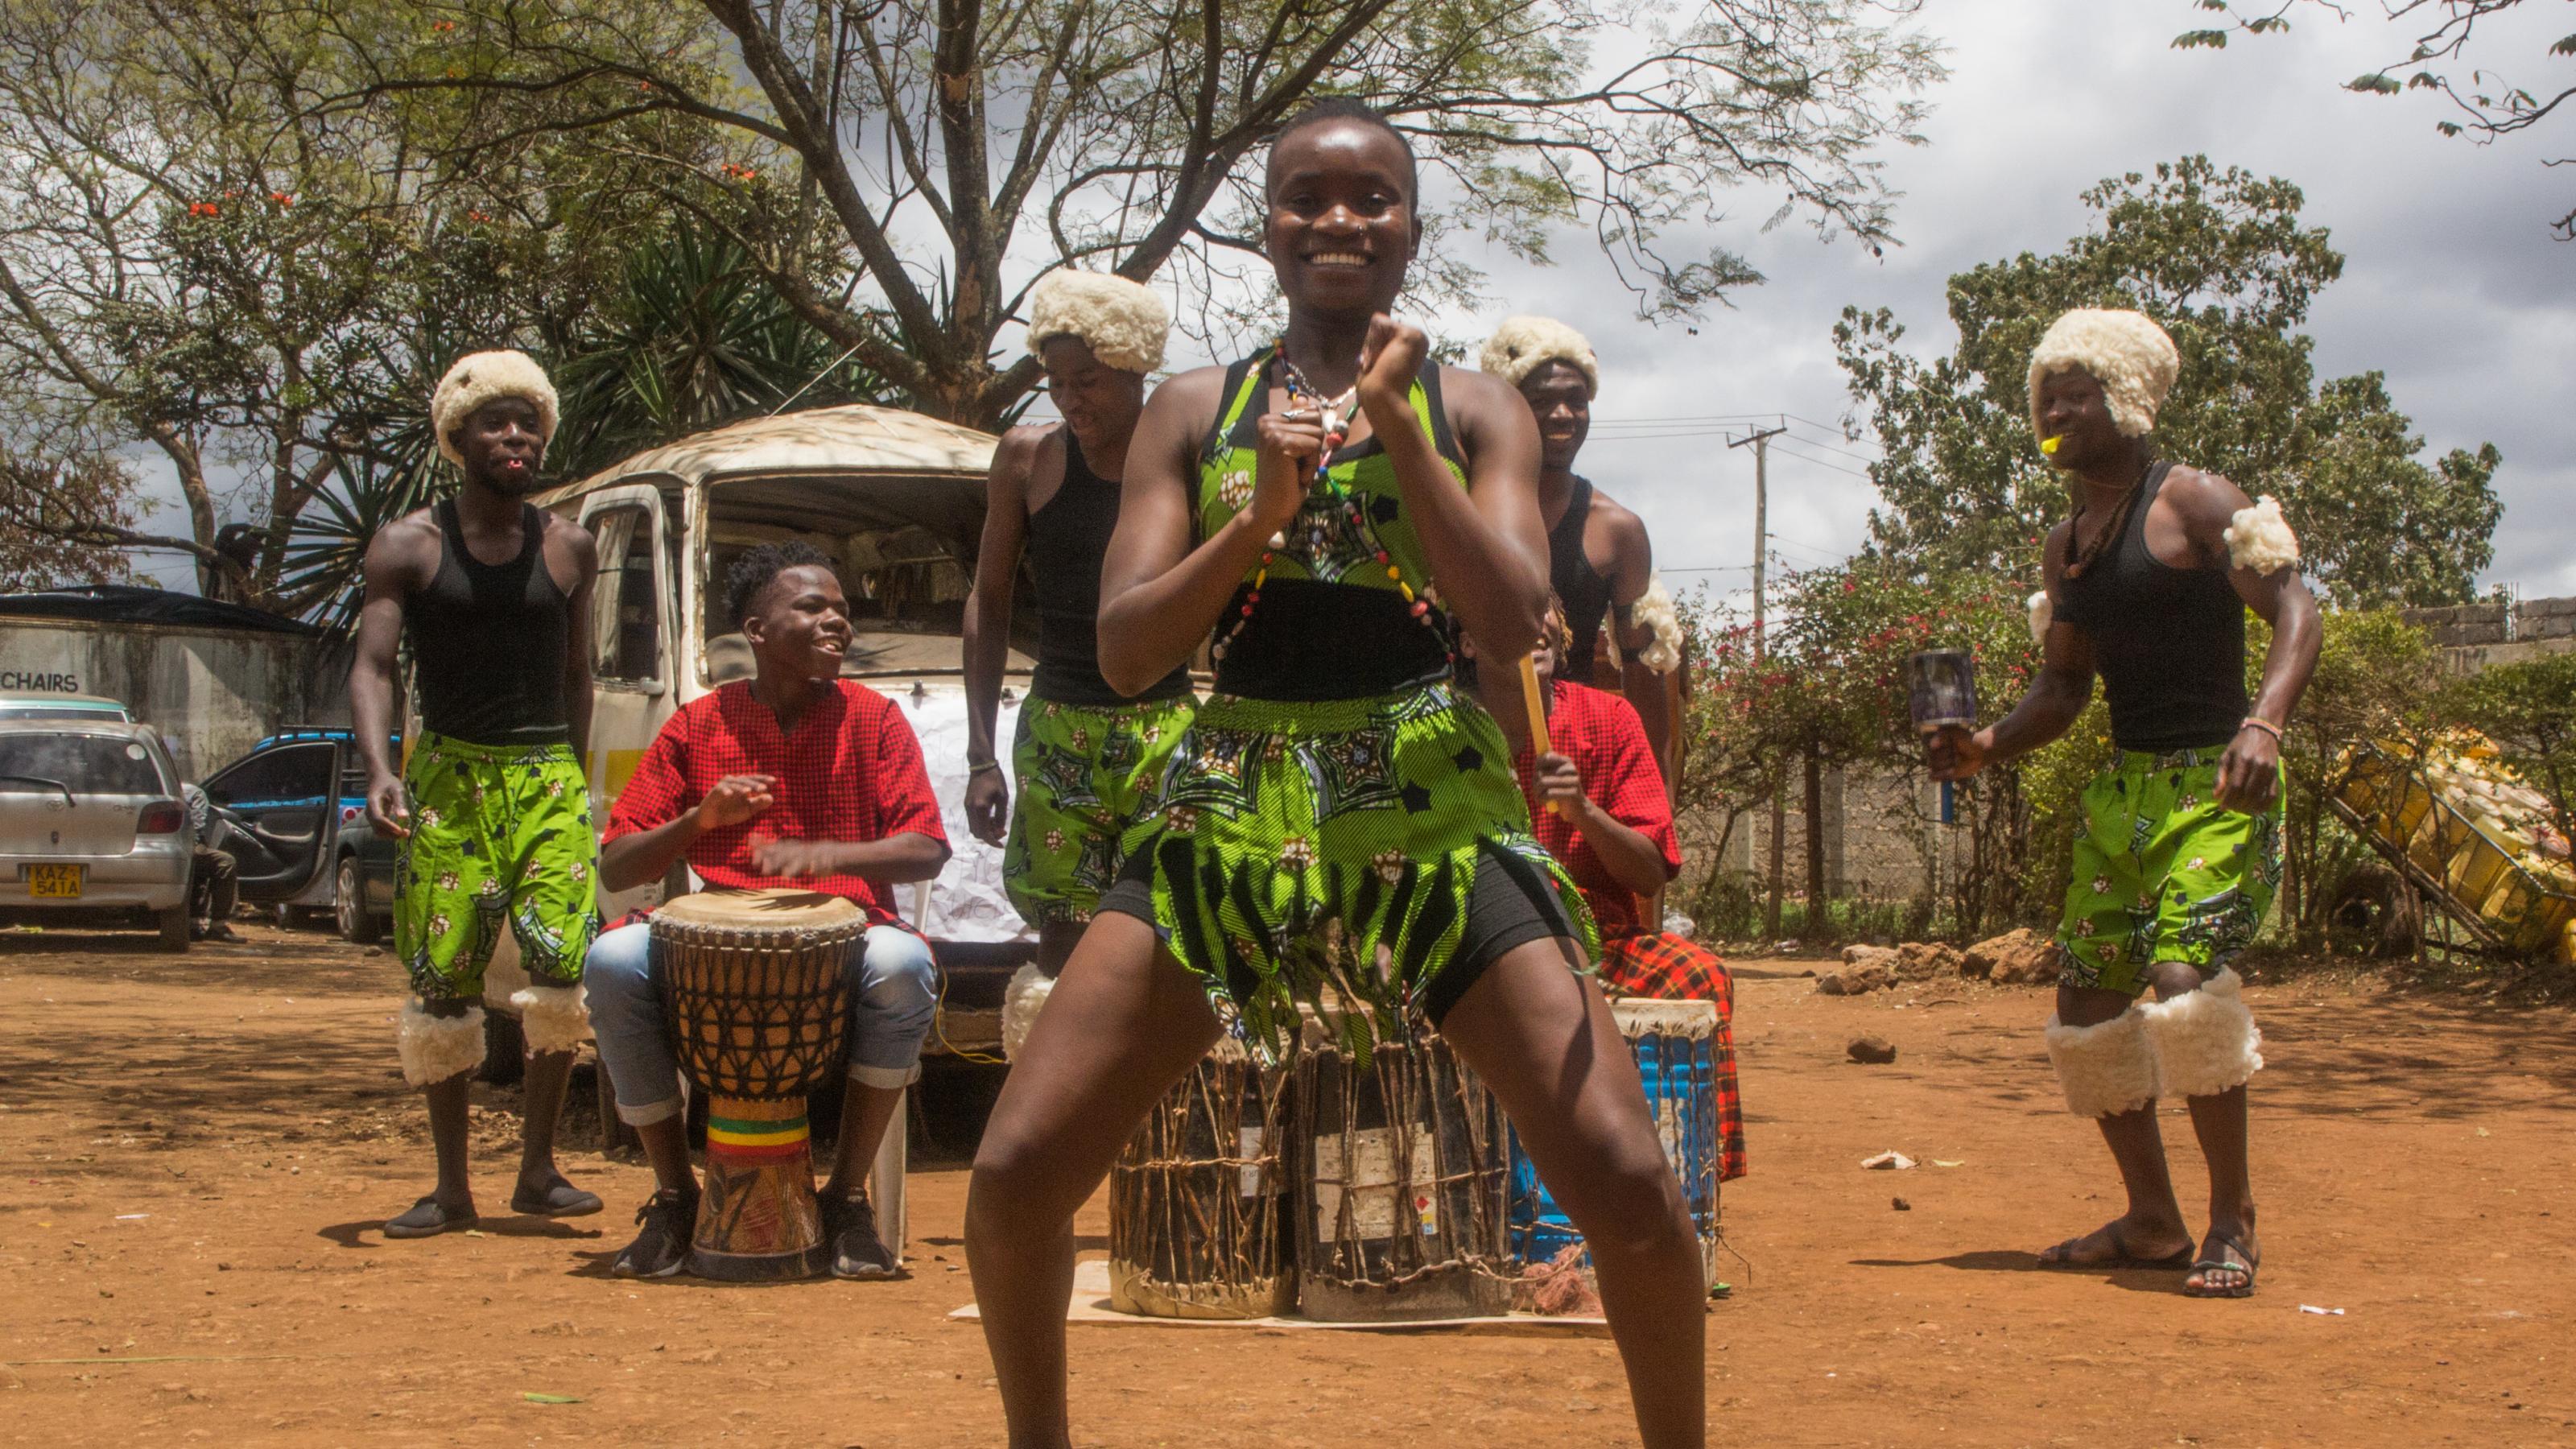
{"x":487,"y":640}
{"x":2169,"y":642}
{"x":1067,"y":540}
{"x":1585,"y":592}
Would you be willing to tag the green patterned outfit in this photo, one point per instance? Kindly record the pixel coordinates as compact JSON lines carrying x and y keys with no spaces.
{"x":1322,"y":851}
{"x":1089,"y":781}
{"x":499,"y":833}
{"x":2163,"y":872}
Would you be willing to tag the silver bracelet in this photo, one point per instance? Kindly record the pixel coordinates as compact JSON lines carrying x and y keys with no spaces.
{"x":977,"y":767}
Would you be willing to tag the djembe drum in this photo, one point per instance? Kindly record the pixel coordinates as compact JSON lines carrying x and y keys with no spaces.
{"x":1197,"y":1200}
{"x":1401,"y":1177}
{"x":753,"y":982}
{"x":1675,"y":1044}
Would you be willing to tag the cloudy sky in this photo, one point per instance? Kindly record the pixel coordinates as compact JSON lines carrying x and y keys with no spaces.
{"x":2451,"y":283}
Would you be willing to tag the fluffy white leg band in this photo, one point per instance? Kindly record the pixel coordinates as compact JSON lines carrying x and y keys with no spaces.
{"x":1021,"y":1002}
{"x":435,"y":1048}
{"x":553,"y":1018}
{"x":2206,"y":1041}
{"x":2106,"y":1069}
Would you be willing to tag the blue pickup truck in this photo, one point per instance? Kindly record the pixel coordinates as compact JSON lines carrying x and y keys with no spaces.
{"x":298,"y":804}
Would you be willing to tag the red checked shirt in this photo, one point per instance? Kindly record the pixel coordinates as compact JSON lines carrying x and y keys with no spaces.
{"x":1601,"y":734}
{"x":851,"y":771}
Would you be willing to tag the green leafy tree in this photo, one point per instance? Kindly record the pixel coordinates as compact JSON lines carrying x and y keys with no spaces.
{"x":2223,"y":261}
{"x":2529,"y":710}
{"x":2487,"y":103}
{"x":902,"y":172}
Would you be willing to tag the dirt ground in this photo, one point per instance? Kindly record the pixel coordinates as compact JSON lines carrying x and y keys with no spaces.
{"x":198,"y":1152}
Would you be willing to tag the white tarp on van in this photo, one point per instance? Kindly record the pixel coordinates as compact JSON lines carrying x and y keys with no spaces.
{"x":967,"y":902}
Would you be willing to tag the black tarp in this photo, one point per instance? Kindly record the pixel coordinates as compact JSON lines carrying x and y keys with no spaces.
{"x":127,"y":604}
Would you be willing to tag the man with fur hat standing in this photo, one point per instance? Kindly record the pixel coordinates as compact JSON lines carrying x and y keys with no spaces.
{"x":1089,"y":760}
{"x":2179,"y":850}
{"x":1599,"y":560}
{"x":493,"y":808}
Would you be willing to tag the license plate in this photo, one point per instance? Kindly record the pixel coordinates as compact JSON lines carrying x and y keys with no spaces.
{"x":55,"y":882}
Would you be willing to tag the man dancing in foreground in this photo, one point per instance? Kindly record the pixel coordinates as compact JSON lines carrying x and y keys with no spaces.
{"x":1089,"y":759}
{"x":492,"y":810}
{"x":792,"y":777}
{"x":2180,"y":847}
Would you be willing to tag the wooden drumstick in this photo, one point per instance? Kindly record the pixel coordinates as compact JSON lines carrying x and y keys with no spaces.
{"x":1537,"y":716}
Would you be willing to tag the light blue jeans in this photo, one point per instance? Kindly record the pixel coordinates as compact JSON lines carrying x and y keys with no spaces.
{"x":891,"y":998}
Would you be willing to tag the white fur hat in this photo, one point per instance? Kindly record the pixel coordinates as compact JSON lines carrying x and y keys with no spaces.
{"x":1521,"y":344}
{"x":2126,"y":352}
{"x":480,"y":377}
{"x":1122,"y":322}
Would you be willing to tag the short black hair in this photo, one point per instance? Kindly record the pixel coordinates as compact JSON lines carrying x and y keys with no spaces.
{"x":759,"y":568}
{"x":1347,"y":108}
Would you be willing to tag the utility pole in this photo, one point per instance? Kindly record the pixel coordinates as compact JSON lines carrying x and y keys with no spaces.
{"x":1761,"y":443}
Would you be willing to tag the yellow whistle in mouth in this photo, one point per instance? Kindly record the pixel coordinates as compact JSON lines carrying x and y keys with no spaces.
{"x":2049,"y":446}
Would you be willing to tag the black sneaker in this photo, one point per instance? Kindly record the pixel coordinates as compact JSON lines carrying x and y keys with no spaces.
{"x":669,"y":1217}
{"x":850,"y":1226}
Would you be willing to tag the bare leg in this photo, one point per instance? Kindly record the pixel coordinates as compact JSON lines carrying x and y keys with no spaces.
{"x":1545,"y":1042}
{"x":1124,"y":1023}
{"x":541,"y":1099}
{"x":2218,"y":1120}
{"x":455,"y":1191}
{"x":666,"y":1146}
{"x":866,"y":1113}
{"x":2152,"y":1227}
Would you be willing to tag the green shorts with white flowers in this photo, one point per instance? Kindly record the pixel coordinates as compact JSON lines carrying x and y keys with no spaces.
{"x":2163,"y":872}
{"x":500,"y":840}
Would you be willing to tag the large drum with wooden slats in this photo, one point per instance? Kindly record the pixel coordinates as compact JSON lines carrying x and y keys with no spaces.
{"x":1197,"y":1200}
{"x":754,"y":985}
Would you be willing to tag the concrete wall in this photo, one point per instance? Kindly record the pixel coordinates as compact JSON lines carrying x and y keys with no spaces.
{"x":211,"y":692}
{"x":2478,"y":636}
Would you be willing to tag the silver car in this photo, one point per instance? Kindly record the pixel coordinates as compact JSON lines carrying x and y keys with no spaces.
{"x":92,"y":831}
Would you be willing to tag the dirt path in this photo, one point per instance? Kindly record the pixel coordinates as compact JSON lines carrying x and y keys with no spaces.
{"x":244,"y":1102}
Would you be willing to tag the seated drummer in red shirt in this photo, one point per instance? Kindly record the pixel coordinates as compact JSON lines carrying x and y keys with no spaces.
{"x":1615,"y":836}
{"x":796,"y":777}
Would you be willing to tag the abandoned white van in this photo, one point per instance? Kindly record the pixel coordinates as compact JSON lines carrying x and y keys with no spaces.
{"x":898,"y":499}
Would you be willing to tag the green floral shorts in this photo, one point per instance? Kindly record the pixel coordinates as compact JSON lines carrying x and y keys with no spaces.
{"x":499,"y":833}
{"x":1087,"y":777}
{"x":2163,"y":872}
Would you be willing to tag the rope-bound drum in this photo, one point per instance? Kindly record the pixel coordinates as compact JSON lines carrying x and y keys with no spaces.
{"x":1401,"y":1175}
{"x":754,"y":987}
{"x":1675,"y":1044}
{"x":1197,"y":1200}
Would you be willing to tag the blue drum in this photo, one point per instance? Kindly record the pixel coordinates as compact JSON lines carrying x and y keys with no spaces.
{"x":1675,"y":1043}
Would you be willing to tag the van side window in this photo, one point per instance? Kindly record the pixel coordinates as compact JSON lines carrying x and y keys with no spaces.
{"x":625,"y":603}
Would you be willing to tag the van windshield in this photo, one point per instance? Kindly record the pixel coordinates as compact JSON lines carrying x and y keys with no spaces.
{"x":904,"y":548}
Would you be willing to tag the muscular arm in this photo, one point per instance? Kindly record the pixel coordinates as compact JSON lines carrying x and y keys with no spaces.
{"x":1632,"y":568}
{"x":1159,"y":597}
{"x":1486,"y":546}
{"x":2057,"y":694}
{"x":575,"y":546}
{"x":2249,"y":773}
{"x":1632,"y":860}
{"x":397,"y":562}
{"x":997,"y":571}
{"x":631,"y":860}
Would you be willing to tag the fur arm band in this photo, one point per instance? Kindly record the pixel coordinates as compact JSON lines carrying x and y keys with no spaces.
{"x":2259,"y":538}
{"x":435,"y":1048}
{"x":2042,"y":614}
{"x":1654,"y":609}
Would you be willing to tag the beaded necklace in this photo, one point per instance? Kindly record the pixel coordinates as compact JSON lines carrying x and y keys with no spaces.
{"x":1335,"y":429}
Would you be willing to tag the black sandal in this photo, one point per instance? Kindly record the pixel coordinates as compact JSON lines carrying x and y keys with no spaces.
{"x":561,"y":1200}
{"x":2245,"y":1263}
{"x":427,"y":1218}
